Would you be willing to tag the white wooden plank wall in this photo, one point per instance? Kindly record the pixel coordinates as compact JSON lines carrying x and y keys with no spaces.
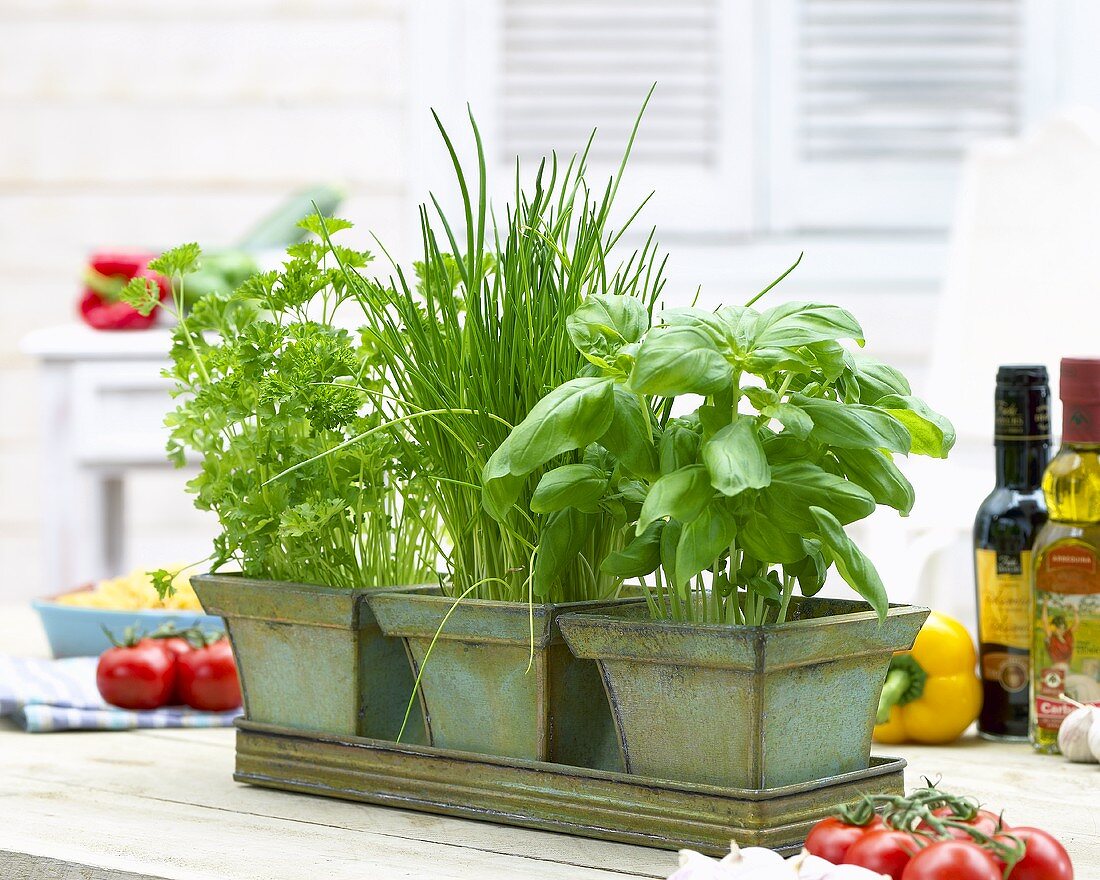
{"x":128,"y":123}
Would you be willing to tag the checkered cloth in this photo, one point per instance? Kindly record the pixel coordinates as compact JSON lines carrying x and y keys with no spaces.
{"x":43,"y":696}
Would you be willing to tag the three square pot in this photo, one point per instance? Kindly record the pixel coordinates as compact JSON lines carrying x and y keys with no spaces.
{"x":313,"y":657}
{"x":500,"y":680}
{"x":745,"y":707}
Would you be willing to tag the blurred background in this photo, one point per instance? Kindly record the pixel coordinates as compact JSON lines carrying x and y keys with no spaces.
{"x":934,"y":159}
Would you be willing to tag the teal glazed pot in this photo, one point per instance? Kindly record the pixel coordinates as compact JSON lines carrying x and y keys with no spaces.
{"x":749,"y":707}
{"x":313,"y":657}
{"x":485,"y":689}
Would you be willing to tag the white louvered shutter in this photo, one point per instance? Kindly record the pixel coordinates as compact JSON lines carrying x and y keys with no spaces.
{"x":875,"y":101}
{"x":567,"y":66}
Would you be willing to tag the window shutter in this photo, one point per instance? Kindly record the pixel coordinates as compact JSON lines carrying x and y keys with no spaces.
{"x":568,"y":66}
{"x":875,"y":101}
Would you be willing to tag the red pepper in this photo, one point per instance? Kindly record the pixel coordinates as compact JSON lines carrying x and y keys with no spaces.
{"x":106,"y":275}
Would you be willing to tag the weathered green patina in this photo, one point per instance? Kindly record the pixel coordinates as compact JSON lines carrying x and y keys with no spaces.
{"x":313,"y":657}
{"x":592,"y":803}
{"x":500,"y":679}
{"x":745,"y":707}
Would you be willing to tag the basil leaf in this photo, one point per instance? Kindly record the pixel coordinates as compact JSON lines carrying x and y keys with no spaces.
{"x":638,"y":558}
{"x":932,"y":434}
{"x":570,"y":417}
{"x":604,"y":323}
{"x":763,"y":540}
{"x":795,"y":420}
{"x":876,"y":472}
{"x":680,"y":495}
{"x":703,"y":540}
{"x":560,"y":541}
{"x":766,"y":588}
{"x":786,"y":448}
{"x":680,"y":360}
{"x":679,"y":446}
{"x":853,"y":425}
{"x":810,"y":571}
{"x":856,"y":569}
{"x":876,"y":380}
{"x":830,"y":358}
{"x":800,"y":323}
{"x":628,"y":436}
{"x":761,"y":398}
{"x":798,"y":486}
{"x":571,"y":485}
{"x":735,"y":458}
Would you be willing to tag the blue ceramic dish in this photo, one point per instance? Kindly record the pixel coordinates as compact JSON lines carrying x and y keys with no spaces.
{"x":74,"y":631}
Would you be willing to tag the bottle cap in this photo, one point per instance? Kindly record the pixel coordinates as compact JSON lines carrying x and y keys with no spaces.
{"x":1022,"y":404}
{"x":1080,"y":393}
{"x":1080,"y":380}
{"x":1022,"y":375}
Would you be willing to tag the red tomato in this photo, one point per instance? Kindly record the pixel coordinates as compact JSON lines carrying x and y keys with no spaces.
{"x":830,"y":838}
{"x":176,"y":647}
{"x":986,"y":822}
{"x":885,"y":851}
{"x":138,"y":677}
{"x":208,"y":678}
{"x":1044,"y":858}
{"x":952,"y":860}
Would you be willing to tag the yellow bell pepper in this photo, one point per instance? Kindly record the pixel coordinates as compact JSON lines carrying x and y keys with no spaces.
{"x":932,"y":693}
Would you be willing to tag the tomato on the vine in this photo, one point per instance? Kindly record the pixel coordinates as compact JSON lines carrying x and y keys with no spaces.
{"x":952,"y":860}
{"x":1044,"y":857}
{"x":207,"y":678}
{"x":884,"y":851}
{"x":986,"y":822}
{"x":138,"y":676}
{"x":830,"y":838}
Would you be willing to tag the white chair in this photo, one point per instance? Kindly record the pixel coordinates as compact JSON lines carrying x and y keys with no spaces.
{"x":1022,"y":286}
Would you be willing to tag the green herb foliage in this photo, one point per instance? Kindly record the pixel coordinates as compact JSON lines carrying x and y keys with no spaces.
{"x":473,"y":342}
{"x":736,"y":503}
{"x":265,"y":380}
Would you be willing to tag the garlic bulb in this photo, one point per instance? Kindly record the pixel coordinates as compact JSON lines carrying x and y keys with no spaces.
{"x":757,"y":863}
{"x":810,"y":867}
{"x":694,"y":866}
{"x":753,"y":863}
{"x":1093,"y":737}
{"x":1073,"y":735}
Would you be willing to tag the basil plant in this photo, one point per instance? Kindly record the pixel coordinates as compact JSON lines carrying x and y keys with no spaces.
{"x":734,"y":504}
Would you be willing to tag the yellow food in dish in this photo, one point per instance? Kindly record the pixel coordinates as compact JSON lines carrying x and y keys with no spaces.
{"x":134,"y":592}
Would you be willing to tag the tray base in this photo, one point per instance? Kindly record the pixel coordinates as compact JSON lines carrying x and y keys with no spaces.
{"x":549,"y":797}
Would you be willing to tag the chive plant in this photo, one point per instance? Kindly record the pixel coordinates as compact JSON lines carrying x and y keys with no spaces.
{"x":474,"y":339}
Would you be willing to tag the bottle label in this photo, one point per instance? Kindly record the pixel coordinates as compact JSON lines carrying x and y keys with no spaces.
{"x":1004,"y":596}
{"x":1021,"y":415}
{"x":1065,"y":645}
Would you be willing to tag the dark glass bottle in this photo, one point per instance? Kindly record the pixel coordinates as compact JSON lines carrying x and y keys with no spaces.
{"x":1004,"y":531}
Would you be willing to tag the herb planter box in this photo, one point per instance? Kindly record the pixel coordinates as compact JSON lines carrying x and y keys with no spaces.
{"x":485,"y":689}
{"x":745,"y":707}
{"x":312,"y":657}
{"x":551,"y":797}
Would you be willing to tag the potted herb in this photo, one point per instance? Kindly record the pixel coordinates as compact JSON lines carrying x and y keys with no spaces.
{"x":270,"y":392}
{"x":470,"y":345}
{"x":725,"y":675}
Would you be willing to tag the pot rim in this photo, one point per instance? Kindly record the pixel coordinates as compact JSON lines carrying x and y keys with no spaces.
{"x":234,"y":596}
{"x":478,"y":620}
{"x":611,"y":635}
{"x":894,"y":610}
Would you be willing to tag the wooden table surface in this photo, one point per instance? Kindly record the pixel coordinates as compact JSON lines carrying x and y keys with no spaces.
{"x":163,"y":804}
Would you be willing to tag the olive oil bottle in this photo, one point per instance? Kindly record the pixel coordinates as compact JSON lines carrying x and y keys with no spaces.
{"x":1065,"y":646}
{"x":1004,"y":529}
